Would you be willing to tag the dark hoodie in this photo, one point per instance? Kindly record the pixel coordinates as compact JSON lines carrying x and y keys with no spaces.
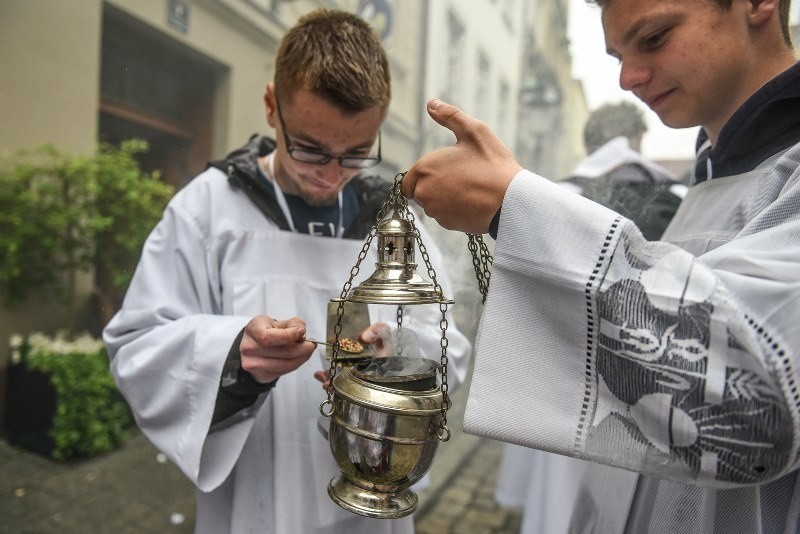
{"x":766,"y":124}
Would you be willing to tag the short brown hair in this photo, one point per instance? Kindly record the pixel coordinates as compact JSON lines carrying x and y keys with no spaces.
{"x":783,"y":9}
{"x":338,"y":56}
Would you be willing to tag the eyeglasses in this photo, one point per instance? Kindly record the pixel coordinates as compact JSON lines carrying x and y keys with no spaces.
{"x":315,"y":157}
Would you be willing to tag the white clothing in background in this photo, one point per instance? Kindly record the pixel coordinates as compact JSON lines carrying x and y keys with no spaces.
{"x":544,"y":484}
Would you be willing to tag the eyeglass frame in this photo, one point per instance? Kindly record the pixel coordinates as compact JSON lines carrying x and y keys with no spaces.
{"x":346,"y":162}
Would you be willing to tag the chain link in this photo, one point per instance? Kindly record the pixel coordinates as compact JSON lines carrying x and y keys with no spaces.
{"x":481,"y":261}
{"x":394,"y":197}
{"x":444,"y":431}
{"x":400,"y":330}
{"x":337,"y":329}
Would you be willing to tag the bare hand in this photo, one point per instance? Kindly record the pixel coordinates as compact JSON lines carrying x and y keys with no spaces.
{"x":377,"y":335}
{"x":462,"y":186}
{"x":272,"y":348}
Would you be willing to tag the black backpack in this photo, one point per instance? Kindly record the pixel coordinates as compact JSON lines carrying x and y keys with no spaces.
{"x":632,"y":191}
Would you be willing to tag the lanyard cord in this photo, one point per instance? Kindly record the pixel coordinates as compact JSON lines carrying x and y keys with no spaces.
{"x":281,"y":198}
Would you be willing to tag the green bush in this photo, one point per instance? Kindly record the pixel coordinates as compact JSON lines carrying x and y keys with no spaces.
{"x":45,"y":223}
{"x":127,"y":203}
{"x":91,"y":416}
{"x":62,"y":214}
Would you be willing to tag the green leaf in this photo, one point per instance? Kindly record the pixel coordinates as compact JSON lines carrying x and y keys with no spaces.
{"x":91,"y":415}
{"x":63,"y":214}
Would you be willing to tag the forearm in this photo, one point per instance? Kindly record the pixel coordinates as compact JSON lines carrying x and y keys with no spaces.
{"x":237,"y":388}
{"x":624,"y":351}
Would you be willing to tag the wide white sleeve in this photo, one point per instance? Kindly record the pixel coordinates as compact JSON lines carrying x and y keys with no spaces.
{"x":168,"y":344}
{"x":598,"y":344}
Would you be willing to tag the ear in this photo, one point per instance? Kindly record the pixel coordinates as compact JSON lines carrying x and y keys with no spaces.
{"x":270,"y":104}
{"x":762,"y":11}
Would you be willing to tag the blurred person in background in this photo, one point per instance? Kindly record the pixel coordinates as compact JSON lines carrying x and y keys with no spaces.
{"x":210,"y":345}
{"x":617,"y":175}
{"x":673,"y":366}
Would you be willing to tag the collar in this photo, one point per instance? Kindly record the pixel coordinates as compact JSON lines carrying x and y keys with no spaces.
{"x":613,"y":155}
{"x":241,"y":168}
{"x":268,"y":173}
{"x":766,"y":124}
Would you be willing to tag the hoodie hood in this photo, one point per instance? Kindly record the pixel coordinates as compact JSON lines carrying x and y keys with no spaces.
{"x":241,"y":168}
{"x":766,"y":124}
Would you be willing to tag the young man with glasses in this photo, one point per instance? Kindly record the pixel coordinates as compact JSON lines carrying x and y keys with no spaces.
{"x":209,"y":347}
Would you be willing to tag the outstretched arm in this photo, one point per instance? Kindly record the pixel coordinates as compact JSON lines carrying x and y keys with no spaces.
{"x":462,"y":186}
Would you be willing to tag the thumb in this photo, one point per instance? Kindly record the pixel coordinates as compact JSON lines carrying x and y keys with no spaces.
{"x":449,"y":116}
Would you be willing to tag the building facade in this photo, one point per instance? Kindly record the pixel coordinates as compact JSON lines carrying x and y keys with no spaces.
{"x":553,"y":105}
{"x":189,"y":77}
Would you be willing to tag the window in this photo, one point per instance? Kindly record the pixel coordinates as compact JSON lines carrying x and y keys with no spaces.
{"x":153,"y":88}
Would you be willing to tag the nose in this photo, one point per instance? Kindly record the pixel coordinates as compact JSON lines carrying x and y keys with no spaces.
{"x":331,"y":172}
{"x":633,"y":74}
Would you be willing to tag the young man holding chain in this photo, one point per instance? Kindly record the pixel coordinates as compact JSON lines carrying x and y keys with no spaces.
{"x":672,"y":365}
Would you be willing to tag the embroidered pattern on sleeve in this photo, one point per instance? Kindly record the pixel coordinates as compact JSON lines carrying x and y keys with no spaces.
{"x":682,"y":387}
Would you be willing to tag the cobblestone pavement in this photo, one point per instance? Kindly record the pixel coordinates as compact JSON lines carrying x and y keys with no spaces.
{"x":127,"y":491}
{"x":466,"y":504}
{"x":460,"y":498}
{"x":131,"y":492}
{"x":134,"y":491}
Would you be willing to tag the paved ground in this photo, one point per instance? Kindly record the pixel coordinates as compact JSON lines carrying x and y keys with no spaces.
{"x":130,"y":491}
{"x":460,"y":498}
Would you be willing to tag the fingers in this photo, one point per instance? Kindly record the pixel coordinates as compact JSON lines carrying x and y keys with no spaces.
{"x":268,"y":332}
{"x":462,"y":186}
{"x":471,"y":134}
{"x":375,"y":333}
{"x":408,"y":185}
{"x":378,"y":336}
{"x":450,"y":117}
{"x":272,"y":348}
{"x":294,"y":322}
{"x":324,"y":377}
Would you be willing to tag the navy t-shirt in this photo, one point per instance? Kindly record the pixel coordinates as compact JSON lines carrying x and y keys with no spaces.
{"x":319,"y":220}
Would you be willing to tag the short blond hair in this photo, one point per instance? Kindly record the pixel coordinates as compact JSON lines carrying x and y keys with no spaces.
{"x":338,"y":56}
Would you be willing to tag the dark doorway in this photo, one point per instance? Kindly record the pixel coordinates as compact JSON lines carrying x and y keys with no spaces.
{"x":155,"y":88}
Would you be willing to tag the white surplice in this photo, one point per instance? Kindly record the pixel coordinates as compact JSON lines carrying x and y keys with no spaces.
{"x":675,"y":359}
{"x":210,"y":265}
